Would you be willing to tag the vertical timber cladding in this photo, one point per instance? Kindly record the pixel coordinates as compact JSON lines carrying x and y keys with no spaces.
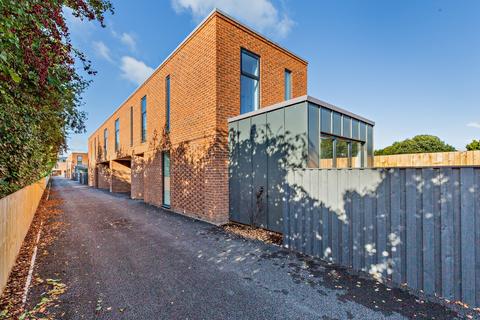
{"x":262,"y":147}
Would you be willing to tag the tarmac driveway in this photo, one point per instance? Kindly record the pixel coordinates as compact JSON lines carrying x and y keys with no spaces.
{"x":123,"y":259}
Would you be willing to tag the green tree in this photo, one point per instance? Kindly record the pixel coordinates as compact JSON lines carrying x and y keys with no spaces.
{"x":474,"y":145}
{"x":417,"y":144}
{"x":40,"y":88}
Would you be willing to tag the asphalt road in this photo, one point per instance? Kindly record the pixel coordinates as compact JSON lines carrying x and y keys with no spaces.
{"x":123,"y":259}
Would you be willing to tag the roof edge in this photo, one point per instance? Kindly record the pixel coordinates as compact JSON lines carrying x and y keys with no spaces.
{"x":305,"y":98}
{"x":258,"y":34}
{"x":183,"y":42}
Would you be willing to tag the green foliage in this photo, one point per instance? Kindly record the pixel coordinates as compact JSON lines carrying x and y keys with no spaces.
{"x":417,"y":144}
{"x":474,"y":145}
{"x":40,"y":89}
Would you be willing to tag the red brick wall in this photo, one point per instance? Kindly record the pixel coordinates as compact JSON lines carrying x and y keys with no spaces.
{"x":205,"y":92}
{"x":137,"y":178}
{"x":104,"y":176}
{"x":121,"y":176}
{"x":231,"y":38}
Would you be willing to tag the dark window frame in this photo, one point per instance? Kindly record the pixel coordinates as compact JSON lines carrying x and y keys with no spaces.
{"x":166,"y":205}
{"x":167,"y":103}
{"x":131,"y":126}
{"x":251,"y":76}
{"x":117,"y":134}
{"x":105,"y":142}
{"x":143,"y":119}
{"x":287,"y":94}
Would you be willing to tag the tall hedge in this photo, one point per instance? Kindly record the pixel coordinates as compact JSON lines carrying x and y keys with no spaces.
{"x":40,"y":88}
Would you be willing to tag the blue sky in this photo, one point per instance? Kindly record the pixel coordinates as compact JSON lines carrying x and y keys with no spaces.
{"x":411,"y":66}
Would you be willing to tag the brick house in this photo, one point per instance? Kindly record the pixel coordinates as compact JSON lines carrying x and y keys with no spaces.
{"x":167,"y":143}
{"x":75,"y":159}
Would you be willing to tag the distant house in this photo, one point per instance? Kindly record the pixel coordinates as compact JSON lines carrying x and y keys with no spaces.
{"x":75,"y":162}
{"x":168,"y":142}
{"x":60,"y":168}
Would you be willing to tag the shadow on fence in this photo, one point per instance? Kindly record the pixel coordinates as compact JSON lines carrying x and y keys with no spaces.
{"x":419,"y":227}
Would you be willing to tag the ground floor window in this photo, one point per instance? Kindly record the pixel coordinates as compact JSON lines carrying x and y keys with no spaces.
{"x":166,"y":178}
{"x":341,"y":153}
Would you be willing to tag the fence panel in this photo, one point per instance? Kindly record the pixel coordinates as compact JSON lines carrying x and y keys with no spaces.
{"x":16,"y":214}
{"x":419,"y":226}
{"x":455,"y":158}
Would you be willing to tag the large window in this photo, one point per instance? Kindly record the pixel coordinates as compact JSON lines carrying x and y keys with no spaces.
{"x":167,"y":103}
{"x":166,"y":178}
{"x":105,"y":141}
{"x":144,"y":119}
{"x":288,"y":84}
{"x":79,"y":160}
{"x":117,"y":135}
{"x":249,"y":82}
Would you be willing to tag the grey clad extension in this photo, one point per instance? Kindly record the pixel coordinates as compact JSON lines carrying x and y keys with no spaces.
{"x":299,"y":133}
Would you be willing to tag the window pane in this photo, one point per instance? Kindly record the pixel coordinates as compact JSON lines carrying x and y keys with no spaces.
{"x":355,"y":129}
{"x":326,"y":152}
{"x":117,"y":134}
{"x":166,"y":178}
{"x":144,"y":119}
{"x":167,"y":103}
{"x":347,"y":126}
{"x":249,"y":96}
{"x":313,"y":137}
{"x":369,"y":146}
{"x":288,"y":85}
{"x":357,"y":155}
{"x":105,"y":141}
{"x":342,"y":159}
{"x":250,"y":64}
{"x":131,"y":126}
{"x":326,"y":120}
{"x":363,"y":131}
{"x":337,"y":123}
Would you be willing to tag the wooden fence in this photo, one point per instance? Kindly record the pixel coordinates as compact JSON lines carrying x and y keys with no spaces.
{"x":419,"y":227}
{"x":463,"y":158}
{"x":16,"y":214}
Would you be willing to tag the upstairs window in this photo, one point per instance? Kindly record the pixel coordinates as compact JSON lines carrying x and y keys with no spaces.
{"x":288,"y":84}
{"x":249,"y":82}
{"x":167,"y":103}
{"x":117,"y":135}
{"x":79,"y":160}
{"x":131,"y":126}
{"x":105,"y":141}
{"x":144,"y":119}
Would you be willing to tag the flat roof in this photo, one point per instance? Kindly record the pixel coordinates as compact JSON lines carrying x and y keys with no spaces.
{"x":185,"y":40}
{"x":293,"y":101}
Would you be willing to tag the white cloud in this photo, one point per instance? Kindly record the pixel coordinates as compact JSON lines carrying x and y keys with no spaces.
{"x":474,"y":125}
{"x":128,"y":40}
{"x":102,"y":50}
{"x":134,"y":70}
{"x":260,"y":14}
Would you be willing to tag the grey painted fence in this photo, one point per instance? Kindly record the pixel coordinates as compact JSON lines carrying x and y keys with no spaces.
{"x":419,"y":227}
